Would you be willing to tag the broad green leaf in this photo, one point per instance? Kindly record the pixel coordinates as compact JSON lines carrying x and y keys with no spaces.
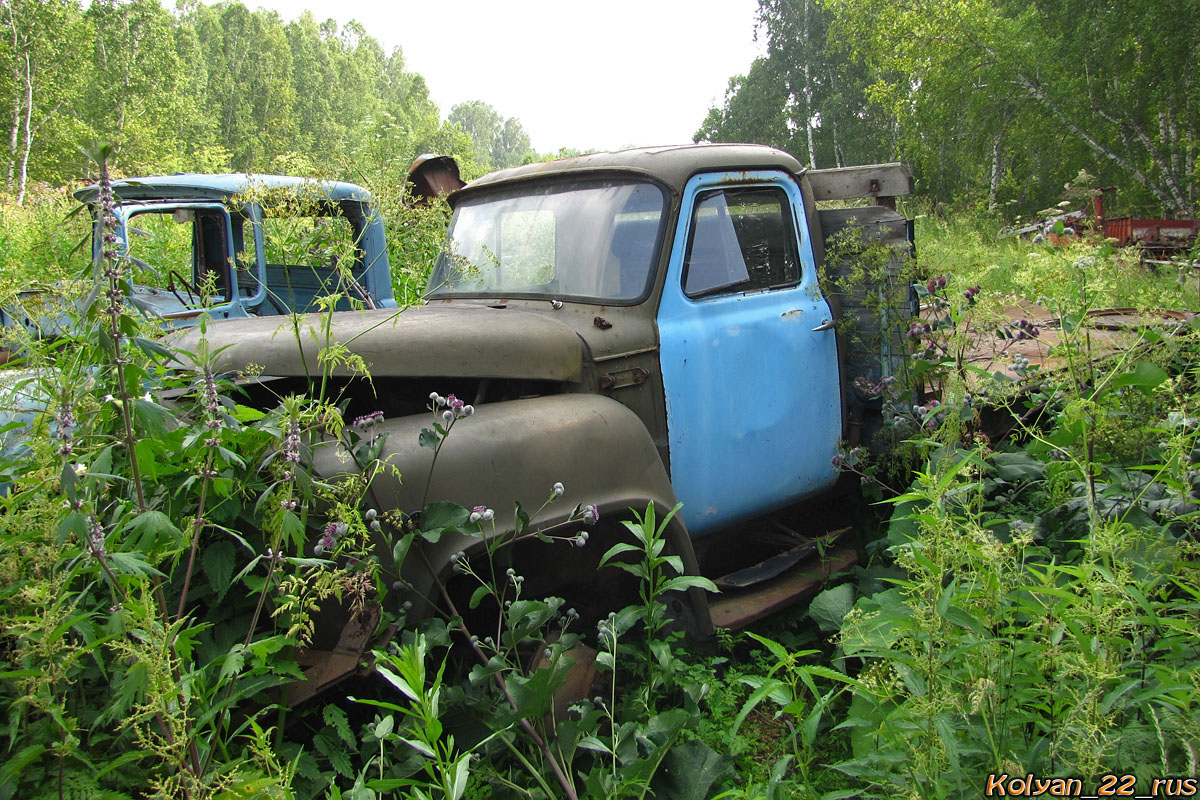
{"x":478,"y":595}
{"x":429,"y":438}
{"x":247,"y":413}
{"x":690,"y":771}
{"x":218,"y":562}
{"x":1144,"y":376}
{"x":440,"y":515}
{"x":831,"y":606}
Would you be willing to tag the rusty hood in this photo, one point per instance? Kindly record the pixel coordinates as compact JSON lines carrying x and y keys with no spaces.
{"x":424,"y":341}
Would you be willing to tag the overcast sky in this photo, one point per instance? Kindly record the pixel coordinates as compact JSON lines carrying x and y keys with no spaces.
{"x":594,"y":75}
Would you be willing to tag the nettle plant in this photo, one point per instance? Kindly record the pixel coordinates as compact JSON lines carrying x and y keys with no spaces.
{"x":1045,"y":619}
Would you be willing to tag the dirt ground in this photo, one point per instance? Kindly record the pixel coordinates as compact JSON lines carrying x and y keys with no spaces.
{"x":1111,"y":329}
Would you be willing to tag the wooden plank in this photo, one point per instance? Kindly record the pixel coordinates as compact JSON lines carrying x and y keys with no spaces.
{"x":869,"y":180}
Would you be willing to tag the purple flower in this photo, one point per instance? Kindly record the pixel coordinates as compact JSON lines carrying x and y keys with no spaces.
{"x":367,"y":420}
{"x":96,"y":540}
{"x":212,"y":402}
{"x":291,"y":443}
{"x":591,"y":514}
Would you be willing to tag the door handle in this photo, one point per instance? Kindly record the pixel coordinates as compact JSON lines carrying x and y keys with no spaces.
{"x":824,"y":326}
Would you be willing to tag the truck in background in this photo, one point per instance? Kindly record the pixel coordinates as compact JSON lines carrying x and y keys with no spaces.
{"x":212,"y":244}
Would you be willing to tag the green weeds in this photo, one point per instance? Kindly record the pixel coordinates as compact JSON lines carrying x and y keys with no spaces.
{"x":1031,"y":607}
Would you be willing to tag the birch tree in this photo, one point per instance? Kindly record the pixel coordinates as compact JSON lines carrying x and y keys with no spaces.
{"x":42,"y":48}
{"x":1115,"y":80}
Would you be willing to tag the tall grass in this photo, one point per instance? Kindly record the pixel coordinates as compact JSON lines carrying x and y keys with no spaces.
{"x":40,"y":242}
{"x":972,"y":252}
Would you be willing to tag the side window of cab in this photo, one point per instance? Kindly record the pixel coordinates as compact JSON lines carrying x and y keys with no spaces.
{"x":741,"y":240}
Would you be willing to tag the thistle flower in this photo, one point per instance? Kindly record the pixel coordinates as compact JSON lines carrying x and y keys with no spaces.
{"x":367,"y":420}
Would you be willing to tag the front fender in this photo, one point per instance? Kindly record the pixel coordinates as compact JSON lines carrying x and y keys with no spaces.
{"x":516,"y":451}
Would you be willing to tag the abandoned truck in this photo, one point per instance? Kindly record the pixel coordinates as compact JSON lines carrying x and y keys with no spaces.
{"x":645,"y":326}
{"x":216,"y":244}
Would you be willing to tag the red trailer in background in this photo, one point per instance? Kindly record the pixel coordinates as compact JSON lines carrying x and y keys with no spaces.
{"x":1159,"y":239}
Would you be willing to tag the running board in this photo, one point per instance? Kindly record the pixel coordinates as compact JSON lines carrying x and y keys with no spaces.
{"x":736,"y":609}
{"x":780,"y":563}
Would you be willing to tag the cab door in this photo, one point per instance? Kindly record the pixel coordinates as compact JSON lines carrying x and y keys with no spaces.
{"x":748,"y":352}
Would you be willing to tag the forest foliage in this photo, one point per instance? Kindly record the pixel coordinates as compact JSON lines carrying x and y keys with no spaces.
{"x":215,"y":88}
{"x":995,"y":104}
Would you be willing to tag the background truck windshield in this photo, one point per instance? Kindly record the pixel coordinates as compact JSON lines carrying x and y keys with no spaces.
{"x":582,"y":240}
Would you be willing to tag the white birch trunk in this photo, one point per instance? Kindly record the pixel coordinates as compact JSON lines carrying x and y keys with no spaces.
{"x":808,"y":111}
{"x":28,"y":130}
{"x":996,"y":171}
{"x":16,"y":116}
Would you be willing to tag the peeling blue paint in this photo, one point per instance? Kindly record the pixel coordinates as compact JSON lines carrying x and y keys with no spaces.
{"x":752,"y":392}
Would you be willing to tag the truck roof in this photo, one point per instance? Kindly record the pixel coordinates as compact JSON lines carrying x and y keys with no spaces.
{"x":218,"y":187}
{"x":671,"y":164}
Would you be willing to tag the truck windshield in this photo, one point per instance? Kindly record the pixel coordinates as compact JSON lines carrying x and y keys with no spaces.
{"x":590,"y":241}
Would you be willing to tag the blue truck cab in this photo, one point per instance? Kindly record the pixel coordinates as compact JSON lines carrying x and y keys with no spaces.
{"x":225,"y":245}
{"x":230,"y":246}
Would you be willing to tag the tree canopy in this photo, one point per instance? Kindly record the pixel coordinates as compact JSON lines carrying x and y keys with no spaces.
{"x":498,"y":142}
{"x":212,"y":88}
{"x":1003,"y":101}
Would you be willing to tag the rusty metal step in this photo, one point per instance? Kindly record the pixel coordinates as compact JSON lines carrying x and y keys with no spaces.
{"x":794,"y":548}
{"x":738,"y":608}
